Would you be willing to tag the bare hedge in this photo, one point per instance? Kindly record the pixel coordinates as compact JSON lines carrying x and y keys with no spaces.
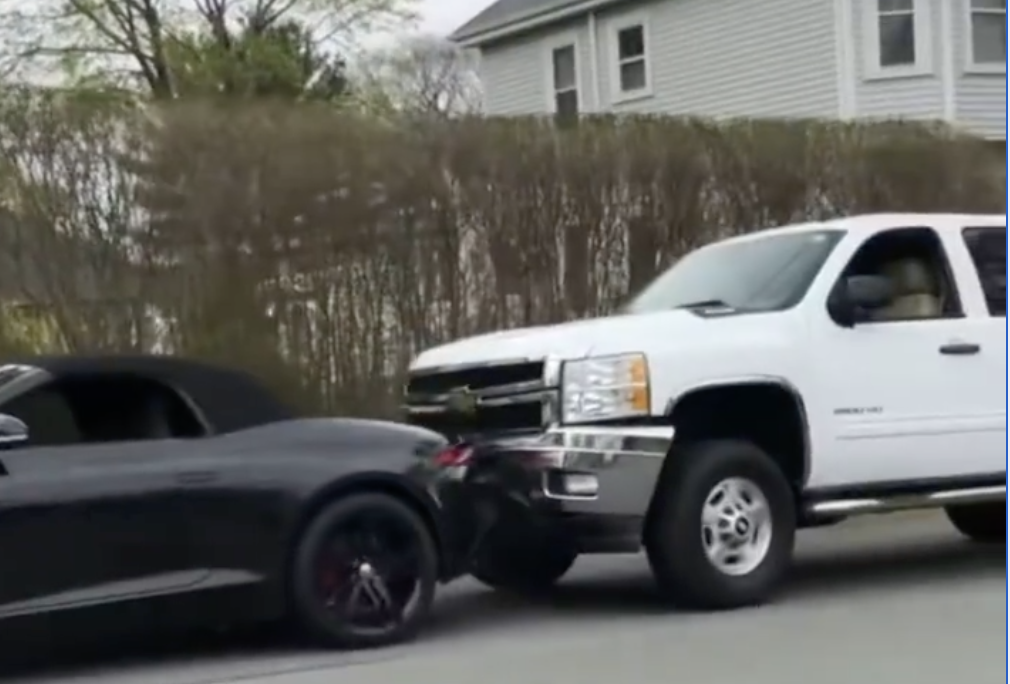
{"x":322,"y":249}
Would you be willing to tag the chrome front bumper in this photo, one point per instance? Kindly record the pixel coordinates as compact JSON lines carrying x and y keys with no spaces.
{"x":581,"y":470}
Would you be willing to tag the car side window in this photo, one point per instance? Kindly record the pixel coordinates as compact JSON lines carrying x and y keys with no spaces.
{"x":48,"y":415}
{"x":987,"y":247}
{"x":102,"y":409}
{"x":915,"y":262}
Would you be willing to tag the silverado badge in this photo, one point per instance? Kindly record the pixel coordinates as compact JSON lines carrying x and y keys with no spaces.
{"x":462,"y":401}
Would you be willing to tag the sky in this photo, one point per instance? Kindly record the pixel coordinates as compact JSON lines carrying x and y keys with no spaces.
{"x":445,"y":16}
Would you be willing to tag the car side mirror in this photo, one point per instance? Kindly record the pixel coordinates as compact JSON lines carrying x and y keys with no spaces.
{"x":857,"y":296}
{"x":13,"y":431}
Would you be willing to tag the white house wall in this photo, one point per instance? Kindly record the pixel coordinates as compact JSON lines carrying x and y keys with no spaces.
{"x":947,"y":90}
{"x":762,"y":58}
{"x":515,"y":73}
{"x":727,"y":58}
{"x":772,"y":58}
{"x":980,"y":99}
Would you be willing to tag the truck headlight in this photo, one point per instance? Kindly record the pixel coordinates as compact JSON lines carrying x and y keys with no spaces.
{"x":605,"y":388}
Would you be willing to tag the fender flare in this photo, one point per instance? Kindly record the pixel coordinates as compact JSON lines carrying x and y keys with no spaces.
{"x":754,"y":380}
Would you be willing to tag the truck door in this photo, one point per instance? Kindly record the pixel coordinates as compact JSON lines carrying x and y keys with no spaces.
{"x":895,"y":386}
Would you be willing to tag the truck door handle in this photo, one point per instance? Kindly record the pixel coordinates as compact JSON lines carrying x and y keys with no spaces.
{"x":960,"y":349}
{"x":195,"y":478}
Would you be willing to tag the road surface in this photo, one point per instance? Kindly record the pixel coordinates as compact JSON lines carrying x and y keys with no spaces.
{"x":899,"y":599}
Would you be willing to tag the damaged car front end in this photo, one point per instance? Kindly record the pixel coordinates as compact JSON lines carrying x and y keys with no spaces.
{"x":553,"y":459}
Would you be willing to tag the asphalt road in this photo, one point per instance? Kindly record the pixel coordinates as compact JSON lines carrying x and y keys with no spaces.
{"x":897,"y":600}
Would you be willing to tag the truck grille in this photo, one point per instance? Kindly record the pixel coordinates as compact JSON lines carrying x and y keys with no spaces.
{"x":462,"y":403}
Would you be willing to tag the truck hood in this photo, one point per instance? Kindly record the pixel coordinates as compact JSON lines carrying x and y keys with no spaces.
{"x":579,"y":339}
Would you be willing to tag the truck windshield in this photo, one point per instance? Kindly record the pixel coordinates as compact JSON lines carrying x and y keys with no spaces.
{"x":762,"y":274}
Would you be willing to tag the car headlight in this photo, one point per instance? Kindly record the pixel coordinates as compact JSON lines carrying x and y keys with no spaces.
{"x":605,"y":388}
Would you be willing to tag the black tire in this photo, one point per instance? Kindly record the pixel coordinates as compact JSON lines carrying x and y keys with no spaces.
{"x":334,"y":528}
{"x":675,"y":540}
{"x":983,"y":523}
{"x":522,"y":569}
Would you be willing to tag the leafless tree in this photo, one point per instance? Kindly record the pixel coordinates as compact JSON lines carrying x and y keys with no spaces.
{"x":141,"y":41}
{"x":423,"y":74}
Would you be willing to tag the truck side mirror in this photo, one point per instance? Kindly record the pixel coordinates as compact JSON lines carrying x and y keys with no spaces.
{"x":857,"y":296}
{"x":869,"y":293}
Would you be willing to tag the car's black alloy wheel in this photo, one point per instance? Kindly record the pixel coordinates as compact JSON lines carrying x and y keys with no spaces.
{"x":365,"y":573}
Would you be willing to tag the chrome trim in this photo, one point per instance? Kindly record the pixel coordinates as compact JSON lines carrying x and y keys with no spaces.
{"x":870,"y":506}
{"x":439,"y":370}
{"x":543,"y":391}
{"x":585,"y":448}
{"x":588,"y":450}
{"x":751,"y":380}
{"x":545,"y":492}
{"x":520,"y":391}
{"x":551,"y":409}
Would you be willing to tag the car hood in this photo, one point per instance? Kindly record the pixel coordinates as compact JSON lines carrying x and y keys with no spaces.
{"x":578,"y":339}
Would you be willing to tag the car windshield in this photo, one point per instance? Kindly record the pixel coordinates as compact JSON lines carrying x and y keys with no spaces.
{"x":762,"y":274}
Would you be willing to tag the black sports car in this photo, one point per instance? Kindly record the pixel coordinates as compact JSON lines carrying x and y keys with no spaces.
{"x":186,"y":492}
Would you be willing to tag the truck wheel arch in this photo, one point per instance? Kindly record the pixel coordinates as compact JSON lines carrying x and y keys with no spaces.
{"x":768,"y":394}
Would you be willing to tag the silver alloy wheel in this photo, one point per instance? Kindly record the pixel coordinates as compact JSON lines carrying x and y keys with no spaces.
{"x":737,"y":527}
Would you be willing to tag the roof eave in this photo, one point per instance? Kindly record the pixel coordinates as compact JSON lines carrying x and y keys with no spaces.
{"x":528,"y":22}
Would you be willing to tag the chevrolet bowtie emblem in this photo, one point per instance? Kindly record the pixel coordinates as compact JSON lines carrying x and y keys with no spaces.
{"x":462,"y":401}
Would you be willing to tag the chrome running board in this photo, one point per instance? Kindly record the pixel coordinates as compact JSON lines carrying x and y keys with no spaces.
{"x":874,"y":505}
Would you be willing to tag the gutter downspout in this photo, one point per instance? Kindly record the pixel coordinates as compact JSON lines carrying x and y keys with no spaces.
{"x":594,"y":62}
{"x":948,"y":65}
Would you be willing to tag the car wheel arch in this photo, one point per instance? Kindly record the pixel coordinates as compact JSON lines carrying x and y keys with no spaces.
{"x":365,"y":483}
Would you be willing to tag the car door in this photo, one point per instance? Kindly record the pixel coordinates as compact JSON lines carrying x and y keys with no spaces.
{"x":86,"y":524}
{"x":893,"y":391}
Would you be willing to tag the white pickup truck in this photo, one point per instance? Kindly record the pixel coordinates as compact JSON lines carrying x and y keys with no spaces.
{"x":781,"y":380}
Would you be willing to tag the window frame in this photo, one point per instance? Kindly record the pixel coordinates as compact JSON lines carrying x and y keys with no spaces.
{"x":946,"y":266}
{"x":551,"y":47}
{"x":615,"y":28}
{"x":974,"y":66}
{"x":924,"y":40}
{"x":966,"y":239}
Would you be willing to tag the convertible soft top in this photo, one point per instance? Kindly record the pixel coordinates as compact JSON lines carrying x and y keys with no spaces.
{"x":229,"y":399}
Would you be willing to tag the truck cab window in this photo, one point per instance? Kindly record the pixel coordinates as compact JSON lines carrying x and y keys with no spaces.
{"x":914,"y":261}
{"x":988,"y":251}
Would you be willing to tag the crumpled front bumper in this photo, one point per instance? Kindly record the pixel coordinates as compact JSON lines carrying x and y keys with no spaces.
{"x":591,"y":485}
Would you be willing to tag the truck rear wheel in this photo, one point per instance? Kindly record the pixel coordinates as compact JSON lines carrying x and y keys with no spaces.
{"x":984,"y":523}
{"x":723,"y":527}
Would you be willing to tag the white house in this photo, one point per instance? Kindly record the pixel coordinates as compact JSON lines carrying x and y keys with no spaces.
{"x":916,"y":59}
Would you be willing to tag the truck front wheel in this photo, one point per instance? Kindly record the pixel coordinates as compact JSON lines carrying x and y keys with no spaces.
{"x":521,"y":568}
{"x":984,"y":523}
{"x":723,"y":526}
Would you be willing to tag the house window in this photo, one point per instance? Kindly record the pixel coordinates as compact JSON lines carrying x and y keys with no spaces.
{"x":630,"y":73}
{"x":631,"y":59}
{"x":897,"y":33}
{"x":565,"y":82}
{"x":988,"y":33}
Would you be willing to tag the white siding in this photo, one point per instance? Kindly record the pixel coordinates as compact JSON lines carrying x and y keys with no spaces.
{"x":980,"y":98}
{"x":727,"y":58}
{"x":515,"y":74}
{"x":906,"y":97}
{"x":761,"y":58}
{"x":708,"y":57}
